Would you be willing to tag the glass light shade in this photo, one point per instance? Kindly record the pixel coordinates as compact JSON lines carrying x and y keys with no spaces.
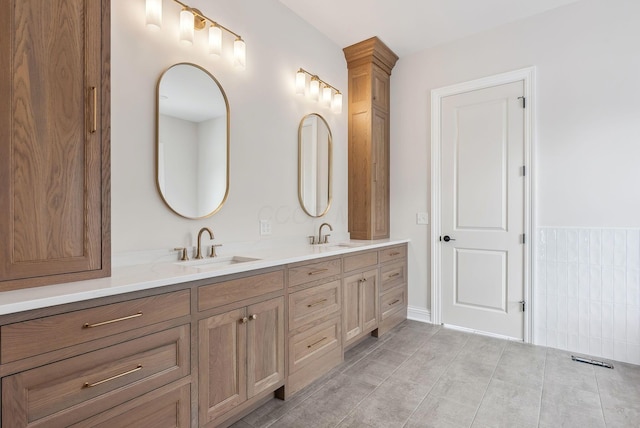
{"x":239,"y":54}
{"x":336,"y":103}
{"x":301,"y":82}
{"x":215,"y":40}
{"x":326,"y":95}
{"x":314,"y":88}
{"x":186,"y":27}
{"x":154,"y":14}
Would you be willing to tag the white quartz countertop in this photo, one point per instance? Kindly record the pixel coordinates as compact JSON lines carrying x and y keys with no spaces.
{"x":126,"y":279}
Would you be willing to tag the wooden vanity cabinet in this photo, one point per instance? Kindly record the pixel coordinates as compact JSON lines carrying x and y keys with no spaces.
{"x":240,"y":351}
{"x":314,"y":321}
{"x":107,"y":356}
{"x":361,"y":296}
{"x":393,"y":288}
{"x":369,"y":63}
{"x":54,"y":141}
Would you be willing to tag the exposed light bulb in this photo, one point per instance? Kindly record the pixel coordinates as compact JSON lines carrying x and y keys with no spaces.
{"x":186,"y":27}
{"x":301,"y":82}
{"x":215,"y":40}
{"x":314,"y":88}
{"x":239,"y":54}
{"x":336,"y":103}
{"x":154,"y":14}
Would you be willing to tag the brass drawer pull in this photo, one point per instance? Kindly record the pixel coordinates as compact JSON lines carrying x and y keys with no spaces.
{"x":100,"y":382}
{"x":253,"y":317}
{"x":315,"y":343}
{"x":394,"y":302}
{"x":395,"y":253}
{"x":244,"y":320}
{"x":315,"y":272}
{"x":94,"y":117}
{"x":98,"y":324}
{"x":311,"y":305}
{"x":393,"y":275}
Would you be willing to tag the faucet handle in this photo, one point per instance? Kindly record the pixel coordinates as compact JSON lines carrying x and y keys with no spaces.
{"x":312,"y":239}
{"x":326,"y":238}
{"x":213,"y":250}
{"x":183,"y":253}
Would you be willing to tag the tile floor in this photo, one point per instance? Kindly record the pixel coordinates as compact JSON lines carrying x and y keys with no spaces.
{"x":421,"y":375}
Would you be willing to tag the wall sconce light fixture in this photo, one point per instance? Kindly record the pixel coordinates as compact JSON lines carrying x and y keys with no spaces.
{"x":319,"y":90}
{"x":192,"y":19}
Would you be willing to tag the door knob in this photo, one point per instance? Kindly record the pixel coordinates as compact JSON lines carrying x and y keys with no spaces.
{"x":447,"y":238}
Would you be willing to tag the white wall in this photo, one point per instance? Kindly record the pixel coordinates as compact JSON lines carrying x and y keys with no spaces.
{"x":587,"y":119}
{"x":265,"y":114}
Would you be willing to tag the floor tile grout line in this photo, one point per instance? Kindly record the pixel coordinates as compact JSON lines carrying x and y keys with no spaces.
{"x":435,"y":382}
{"x":383,"y":381}
{"x":475,"y":415}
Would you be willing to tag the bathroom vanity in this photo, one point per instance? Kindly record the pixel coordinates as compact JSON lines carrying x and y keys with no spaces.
{"x":193,"y":344}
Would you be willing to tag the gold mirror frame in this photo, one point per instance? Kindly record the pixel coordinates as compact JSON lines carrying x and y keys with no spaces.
{"x":179,"y":211}
{"x":317,"y":177}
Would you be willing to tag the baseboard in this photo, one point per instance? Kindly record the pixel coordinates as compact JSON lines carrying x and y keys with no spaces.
{"x":418,"y":314}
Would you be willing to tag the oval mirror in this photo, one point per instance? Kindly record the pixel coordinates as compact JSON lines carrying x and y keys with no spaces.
{"x":315,"y":147}
{"x":192,"y":141}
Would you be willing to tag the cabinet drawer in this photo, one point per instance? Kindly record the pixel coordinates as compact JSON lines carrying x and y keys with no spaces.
{"x":163,"y":408}
{"x":313,"y":303}
{"x":359,"y":261}
{"x":223,"y":293}
{"x":313,"y":271}
{"x":392,"y":276}
{"x":306,"y":347}
{"x":71,"y":390}
{"x":393,"y":253}
{"x":393,"y":301}
{"x":29,"y":338}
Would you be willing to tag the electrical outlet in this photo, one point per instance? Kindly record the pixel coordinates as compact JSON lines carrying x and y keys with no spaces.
{"x":422,"y":218}
{"x":265,"y":227}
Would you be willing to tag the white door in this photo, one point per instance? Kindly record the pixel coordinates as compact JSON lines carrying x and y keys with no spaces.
{"x":482,"y":210}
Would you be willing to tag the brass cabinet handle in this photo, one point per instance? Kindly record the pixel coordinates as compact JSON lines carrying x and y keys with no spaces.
{"x":311,"y":305}
{"x":393,"y":275}
{"x":98,"y":324}
{"x":253,"y":317}
{"x":362,"y":280}
{"x":94,"y":117}
{"x":395,"y":253}
{"x":316,"y":342}
{"x":315,"y":272}
{"x":244,"y":320}
{"x":394,"y":302}
{"x":100,"y":382}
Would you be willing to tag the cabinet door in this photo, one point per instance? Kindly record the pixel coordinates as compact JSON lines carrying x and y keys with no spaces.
{"x":54,"y":151}
{"x":222,"y":363}
{"x":370,"y":300}
{"x":352,"y":314}
{"x":380,"y":187}
{"x":265,"y":345}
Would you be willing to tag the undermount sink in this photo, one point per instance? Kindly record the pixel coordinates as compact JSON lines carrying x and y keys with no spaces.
{"x":341,"y":245}
{"x":216,"y":262}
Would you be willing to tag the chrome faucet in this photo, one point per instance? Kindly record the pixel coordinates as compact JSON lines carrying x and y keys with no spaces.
{"x":204,"y":229}
{"x":326,"y":237}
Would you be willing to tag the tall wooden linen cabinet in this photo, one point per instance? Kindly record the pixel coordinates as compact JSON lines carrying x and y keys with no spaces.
{"x":369,"y":63}
{"x":54,"y":141}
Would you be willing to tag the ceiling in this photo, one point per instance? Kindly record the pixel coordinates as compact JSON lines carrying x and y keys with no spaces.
{"x":409,"y":26}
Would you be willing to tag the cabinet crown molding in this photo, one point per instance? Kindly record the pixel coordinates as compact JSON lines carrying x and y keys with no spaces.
{"x":369,"y":51}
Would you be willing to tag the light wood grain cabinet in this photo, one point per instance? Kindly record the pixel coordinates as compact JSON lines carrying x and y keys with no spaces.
{"x":361,"y":304}
{"x":54,"y":141}
{"x":241,"y":355}
{"x":369,"y":63}
{"x":393,"y":288}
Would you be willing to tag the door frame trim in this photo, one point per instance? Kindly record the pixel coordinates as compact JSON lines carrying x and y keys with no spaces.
{"x":527,"y":75}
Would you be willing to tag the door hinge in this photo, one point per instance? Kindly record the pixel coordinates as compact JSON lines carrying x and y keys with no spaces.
{"x":524,"y":101}
{"x":524,"y":239}
{"x":524,"y":171}
{"x":524,"y":305}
